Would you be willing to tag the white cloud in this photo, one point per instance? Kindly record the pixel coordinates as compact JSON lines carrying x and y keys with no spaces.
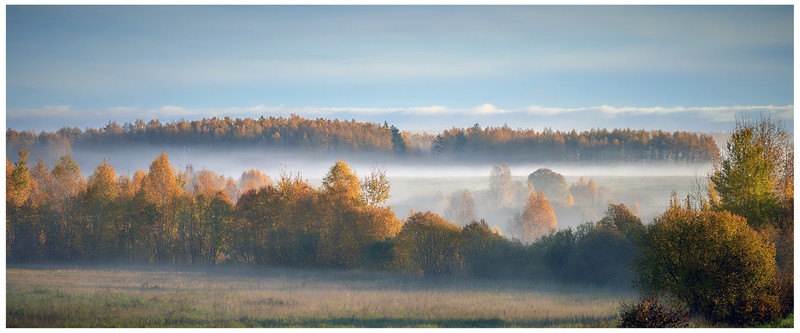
{"x":715,"y":113}
{"x":430,"y":109}
{"x":538,"y":109}
{"x":487,"y":109}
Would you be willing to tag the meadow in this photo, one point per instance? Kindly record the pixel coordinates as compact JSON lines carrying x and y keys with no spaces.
{"x":241,"y":296}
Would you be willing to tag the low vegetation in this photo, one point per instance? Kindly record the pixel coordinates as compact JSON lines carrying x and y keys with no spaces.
{"x":651,"y":313}
{"x":248,"y":296}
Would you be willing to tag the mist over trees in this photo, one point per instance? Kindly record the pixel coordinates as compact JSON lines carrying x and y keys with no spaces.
{"x":297,"y":134}
{"x":165,"y":215}
{"x":725,"y":256}
{"x":461,"y":208}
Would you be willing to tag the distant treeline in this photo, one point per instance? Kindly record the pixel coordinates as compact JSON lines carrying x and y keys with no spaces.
{"x":618,"y":145}
{"x":322,"y":135}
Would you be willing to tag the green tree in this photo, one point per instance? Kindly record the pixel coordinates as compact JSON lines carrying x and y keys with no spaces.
{"x":398,"y":143}
{"x":553,"y":184}
{"x":747,"y":180}
{"x":482,"y":250}
{"x":622,"y":219}
{"x":713,"y":262}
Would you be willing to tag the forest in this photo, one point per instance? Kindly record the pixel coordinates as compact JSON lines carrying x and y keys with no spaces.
{"x":297,"y":134}
{"x":725,"y":255}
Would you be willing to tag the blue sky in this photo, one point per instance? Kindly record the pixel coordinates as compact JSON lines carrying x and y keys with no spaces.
{"x":418,"y":67}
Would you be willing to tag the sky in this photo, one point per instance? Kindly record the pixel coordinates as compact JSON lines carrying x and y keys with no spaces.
{"x":420,"y":68}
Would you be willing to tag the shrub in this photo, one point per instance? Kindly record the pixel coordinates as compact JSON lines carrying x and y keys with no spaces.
{"x":713,"y":262}
{"x":428,"y":245}
{"x":650,"y":313}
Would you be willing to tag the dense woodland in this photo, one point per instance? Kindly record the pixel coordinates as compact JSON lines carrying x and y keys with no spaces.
{"x":298,"y":134}
{"x":725,"y":254}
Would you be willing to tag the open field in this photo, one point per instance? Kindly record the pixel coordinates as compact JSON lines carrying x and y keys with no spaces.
{"x":225,"y":296}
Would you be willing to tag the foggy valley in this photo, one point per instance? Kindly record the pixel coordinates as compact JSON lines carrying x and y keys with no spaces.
{"x":367,"y":166}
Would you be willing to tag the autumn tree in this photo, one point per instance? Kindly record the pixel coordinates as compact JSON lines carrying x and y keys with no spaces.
{"x":375,"y":187}
{"x":341,"y":184}
{"x":349,"y":224}
{"x":461,"y":208}
{"x":253,"y":179}
{"x":160,"y":188}
{"x":341,"y":198}
{"x":42,"y":193}
{"x":429,"y":245}
{"x":161,"y":184}
{"x":536,"y":220}
{"x":24,"y":233}
{"x":101,"y":206}
{"x":67,"y":185}
{"x":207,"y":182}
{"x":18,"y":182}
{"x":212,"y":236}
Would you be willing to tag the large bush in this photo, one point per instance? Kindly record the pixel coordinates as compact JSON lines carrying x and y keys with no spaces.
{"x":429,"y":245}
{"x":713,"y":262}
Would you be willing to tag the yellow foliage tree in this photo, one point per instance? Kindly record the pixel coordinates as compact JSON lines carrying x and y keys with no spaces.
{"x":161,"y":185}
{"x":537,"y":219}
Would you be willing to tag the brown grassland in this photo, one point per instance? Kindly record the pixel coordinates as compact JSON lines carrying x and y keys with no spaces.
{"x":237,"y":296}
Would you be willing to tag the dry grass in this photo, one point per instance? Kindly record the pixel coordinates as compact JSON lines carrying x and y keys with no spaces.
{"x":48,"y":296}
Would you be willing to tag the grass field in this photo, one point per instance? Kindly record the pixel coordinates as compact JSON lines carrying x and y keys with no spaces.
{"x":225,"y":296}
